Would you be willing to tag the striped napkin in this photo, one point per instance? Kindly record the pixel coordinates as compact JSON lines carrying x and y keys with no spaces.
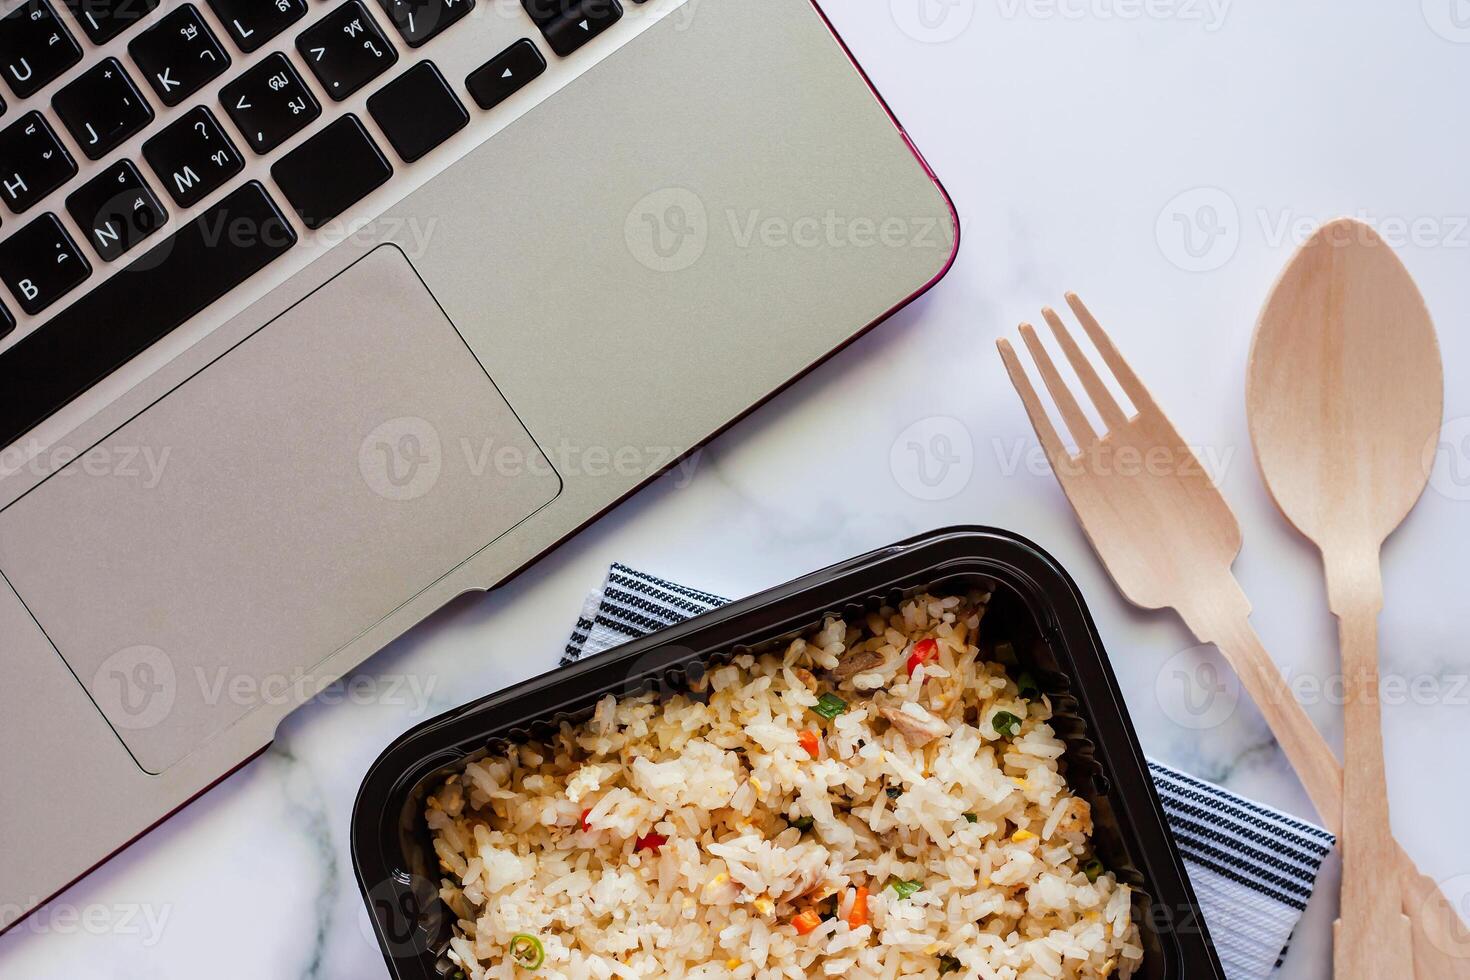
{"x":1253,"y":868}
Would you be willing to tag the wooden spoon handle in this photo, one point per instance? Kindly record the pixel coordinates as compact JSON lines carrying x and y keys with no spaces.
{"x":1221,"y":616}
{"x":1373,"y":942}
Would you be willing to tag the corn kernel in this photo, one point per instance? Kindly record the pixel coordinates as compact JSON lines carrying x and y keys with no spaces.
{"x":1022,"y":836}
{"x":732,"y":964}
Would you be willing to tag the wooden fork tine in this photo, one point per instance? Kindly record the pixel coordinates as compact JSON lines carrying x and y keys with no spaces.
{"x":1051,"y":442}
{"x":1107,"y":405}
{"x":1126,"y":378}
{"x":1072,"y":414}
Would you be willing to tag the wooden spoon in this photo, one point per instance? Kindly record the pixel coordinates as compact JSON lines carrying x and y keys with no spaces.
{"x":1346,"y":388}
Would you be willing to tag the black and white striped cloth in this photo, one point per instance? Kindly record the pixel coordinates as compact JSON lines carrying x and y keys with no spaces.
{"x":1253,"y":868}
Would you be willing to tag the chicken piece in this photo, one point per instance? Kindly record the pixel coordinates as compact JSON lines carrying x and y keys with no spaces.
{"x":917,"y":726}
{"x":856,"y":662}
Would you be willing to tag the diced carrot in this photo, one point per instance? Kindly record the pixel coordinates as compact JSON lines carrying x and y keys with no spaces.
{"x":806,"y":922}
{"x":859,"y":914}
{"x":924,"y":651}
{"x":810,"y":741}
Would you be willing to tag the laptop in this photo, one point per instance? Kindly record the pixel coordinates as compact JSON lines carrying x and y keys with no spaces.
{"x":320,"y":314}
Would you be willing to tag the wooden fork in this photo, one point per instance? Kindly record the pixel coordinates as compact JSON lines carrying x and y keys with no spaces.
{"x":1169,"y":540}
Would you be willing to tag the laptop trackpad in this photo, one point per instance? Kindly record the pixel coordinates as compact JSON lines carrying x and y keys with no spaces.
{"x":270,"y":509}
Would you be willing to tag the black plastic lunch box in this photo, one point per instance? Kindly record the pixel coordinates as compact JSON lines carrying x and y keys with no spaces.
{"x":1035,"y":607}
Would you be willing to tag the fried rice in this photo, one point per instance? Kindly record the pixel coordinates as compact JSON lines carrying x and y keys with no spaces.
{"x":878,"y":801}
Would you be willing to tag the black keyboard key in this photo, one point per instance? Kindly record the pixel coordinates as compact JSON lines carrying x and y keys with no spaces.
{"x":569,"y":24}
{"x":504,"y":75}
{"x":253,"y":22}
{"x":193,"y":157}
{"x":417,"y":111}
{"x":160,"y":290}
{"x":102,"y":107}
{"x":103,"y":20}
{"x":117,"y":209}
{"x":40,"y":264}
{"x":419,"y":20}
{"x":7,"y":321}
{"x":178,"y":55}
{"x":32,"y":161}
{"x":269,"y":103}
{"x":346,"y":50}
{"x":35,"y":47}
{"x":332,"y":171}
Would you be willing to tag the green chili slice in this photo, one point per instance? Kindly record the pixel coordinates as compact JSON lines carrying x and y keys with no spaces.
{"x":527,"y":951}
{"x":1093,"y":870}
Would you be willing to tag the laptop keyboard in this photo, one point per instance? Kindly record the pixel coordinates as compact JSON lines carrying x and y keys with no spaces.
{"x":122,"y":301}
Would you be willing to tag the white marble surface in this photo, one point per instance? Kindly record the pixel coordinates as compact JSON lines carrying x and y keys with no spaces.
{"x":1080,"y":138}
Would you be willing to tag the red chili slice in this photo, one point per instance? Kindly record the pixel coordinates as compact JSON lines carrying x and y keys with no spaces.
{"x":650,"y":842}
{"x":924,"y":651}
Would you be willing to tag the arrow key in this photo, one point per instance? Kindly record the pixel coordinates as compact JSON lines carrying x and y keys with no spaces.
{"x":505,"y":74}
{"x":569,"y":24}
{"x":269,"y":103}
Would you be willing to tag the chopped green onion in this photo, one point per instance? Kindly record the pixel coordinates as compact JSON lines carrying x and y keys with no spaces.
{"x":1093,"y":870}
{"x":829,"y":706}
{"x":894,"y":792}
{"x":972,"y":817}
{"x":527,"y":951}
{"x":1006,"y":723}
{"x":948,"y":964}
{"x":802,"y":824}
{"x":1005,"y":653}
{"x":1029,"y":690}
{"x":905,"y":889}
